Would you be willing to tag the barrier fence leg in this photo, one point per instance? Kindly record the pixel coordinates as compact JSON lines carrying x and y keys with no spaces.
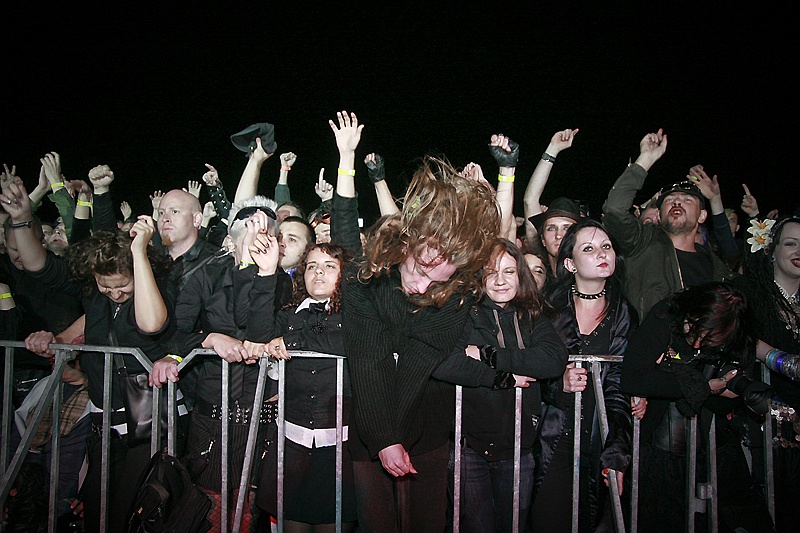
{"x":576,"y":456}
{"x":250,"y":448}
{"x":8,"y":384}
{"x":457,"y":462}
{"x":712,"y":493}
{"x":105,"y":442}
{"x":55,"y":453}
{"x":517,"y":457}
{"x":339,"y":442}
{"x":281,"y":437}
{"x":635,"y":474}
{"x":613,"y":486}
{"x":225,"y":434}
{"x":769,"y":458}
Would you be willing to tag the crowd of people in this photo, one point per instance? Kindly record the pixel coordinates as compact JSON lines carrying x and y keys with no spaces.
{"x":450,"y":286}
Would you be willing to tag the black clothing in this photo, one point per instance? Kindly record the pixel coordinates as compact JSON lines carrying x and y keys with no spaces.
{"x":393,"y":348}
{"x":200,"y":253}
{"x":488,"y":415}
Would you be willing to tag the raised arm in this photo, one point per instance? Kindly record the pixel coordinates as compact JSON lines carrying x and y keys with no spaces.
{"x":149,"y":306}
{"x":248,"y":183}
{"x":348,"y":135}
{"x":712,"y":192}
{"x":103,"y":217}
{"x":282,"y":191}
{"x":60,"y":196}
{"x":561,"y":140}
{"x":377,"y":175}
{"x":17,"y":204}
{"x":506,"y":153}
{"x":623,"y":225}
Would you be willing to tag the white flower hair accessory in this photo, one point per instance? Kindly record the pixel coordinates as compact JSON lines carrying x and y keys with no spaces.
{"x":761,"y":231}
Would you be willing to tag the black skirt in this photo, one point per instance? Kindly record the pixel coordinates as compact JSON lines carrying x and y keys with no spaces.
{"x":309,"y":485}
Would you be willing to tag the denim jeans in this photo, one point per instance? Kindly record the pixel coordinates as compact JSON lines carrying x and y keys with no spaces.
{"x":487,"y":492}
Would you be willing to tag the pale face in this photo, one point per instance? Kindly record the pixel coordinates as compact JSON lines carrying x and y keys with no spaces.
{"x":593,"y":257}
{"x":650,"y":215}
{"x":56,"y":242}
{"x":117,"y":287}
{"x":323,"y":232}
{"x":681,"y":213}
{"x":502,"y":282}
{"x":417,"y":279}
{"x":293,"y":240}
{"x":733,"y":222}
{"x":321,"y":274}
{"x":537,"y":268}
{"x":553,"y":231}
{"x":178,"y":222}
{"x":787,"y":253}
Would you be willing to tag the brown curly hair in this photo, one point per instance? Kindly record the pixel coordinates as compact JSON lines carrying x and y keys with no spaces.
{"x":106,"y":253}
{"x":299,"y":292}
{"x":442,"y":210}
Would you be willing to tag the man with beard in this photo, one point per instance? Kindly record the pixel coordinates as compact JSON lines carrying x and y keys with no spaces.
{"x":660,"y":260}
{"x":179,"y":219}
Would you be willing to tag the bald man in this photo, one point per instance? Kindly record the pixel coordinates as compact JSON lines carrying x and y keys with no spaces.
{"x":179,"y":220}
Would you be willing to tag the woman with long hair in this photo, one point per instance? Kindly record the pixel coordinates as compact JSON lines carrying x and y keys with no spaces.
{"x":592,"y":318}
{"x":509,"y":333}
{"x":311,"y":321}
{"x":771,"y":282}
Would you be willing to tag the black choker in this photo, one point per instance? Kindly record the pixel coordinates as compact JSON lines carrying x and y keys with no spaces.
{"x":583,"y":296}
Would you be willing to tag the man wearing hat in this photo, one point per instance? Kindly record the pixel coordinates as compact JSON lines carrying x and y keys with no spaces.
{"x":660,"y":260}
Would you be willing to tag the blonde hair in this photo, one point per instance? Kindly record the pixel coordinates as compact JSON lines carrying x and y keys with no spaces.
{"x":454,"y":216}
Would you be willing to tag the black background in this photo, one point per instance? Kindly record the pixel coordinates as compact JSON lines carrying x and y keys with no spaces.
{"x":156,"y":93}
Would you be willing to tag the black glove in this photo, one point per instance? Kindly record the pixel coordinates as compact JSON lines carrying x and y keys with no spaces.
{"x":503,"y":158}
{"x":488,"y":355}
{"x":504,"y":380}
{"x":375,"y":169}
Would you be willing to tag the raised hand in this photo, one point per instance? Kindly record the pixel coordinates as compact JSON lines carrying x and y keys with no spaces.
{"x":749,"y":203}
{"x":8,"y":176}
{"x":265,"y":253}
{"x":561,"y":140}
{"x":651,"y":148}
{"x":259,"y":154}
{"x":193,"y":188}
{"x":323,"y":189}
{"x":126,"y":210}
{"x":288,"y":159}
{"x":155,"y":199}
{"x":101,"y":177}
{"x":211,"y":178}
{"x":348,"y":134}
{"x":141,"y":232}
{"x":504,"y":150}
{"x":52,"y":167}
{"x":208,"y":211}
{"x":16,"y":202}
{"x":708,"y":186}
{"x":474,"y":172}
{"x":375,"y":167}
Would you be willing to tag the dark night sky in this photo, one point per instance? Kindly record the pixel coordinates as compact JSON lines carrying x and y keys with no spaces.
{"x":157,"y":95}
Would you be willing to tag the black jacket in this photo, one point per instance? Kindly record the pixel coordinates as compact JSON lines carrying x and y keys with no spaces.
{"x":488,"y":415}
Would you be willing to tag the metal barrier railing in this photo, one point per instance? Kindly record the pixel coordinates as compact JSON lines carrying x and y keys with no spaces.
{"x":702,"y":496}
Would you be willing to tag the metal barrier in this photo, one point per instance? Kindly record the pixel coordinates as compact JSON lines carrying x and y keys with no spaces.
{"x":700,"y":497}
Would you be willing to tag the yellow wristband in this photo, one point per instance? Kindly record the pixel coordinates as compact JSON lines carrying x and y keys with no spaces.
{"x":245,"y":264}
{"x":506,"y":179}
{"x":344,"y":172}
{"x":178,"y":358}
{"x":5,"y":295}
{"x":57,"y":186}
{"x":84,"y":204}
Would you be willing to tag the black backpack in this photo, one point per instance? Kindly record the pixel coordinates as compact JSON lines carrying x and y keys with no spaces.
{"x":167,"y":500}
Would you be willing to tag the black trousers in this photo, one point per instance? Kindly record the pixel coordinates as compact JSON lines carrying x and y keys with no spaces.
{"x":413,"y":503}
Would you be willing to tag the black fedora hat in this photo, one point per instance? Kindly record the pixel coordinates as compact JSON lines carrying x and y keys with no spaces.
{"x":245,"y":140}
{"x":560,"y":207}
{"x":686,"y":186}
